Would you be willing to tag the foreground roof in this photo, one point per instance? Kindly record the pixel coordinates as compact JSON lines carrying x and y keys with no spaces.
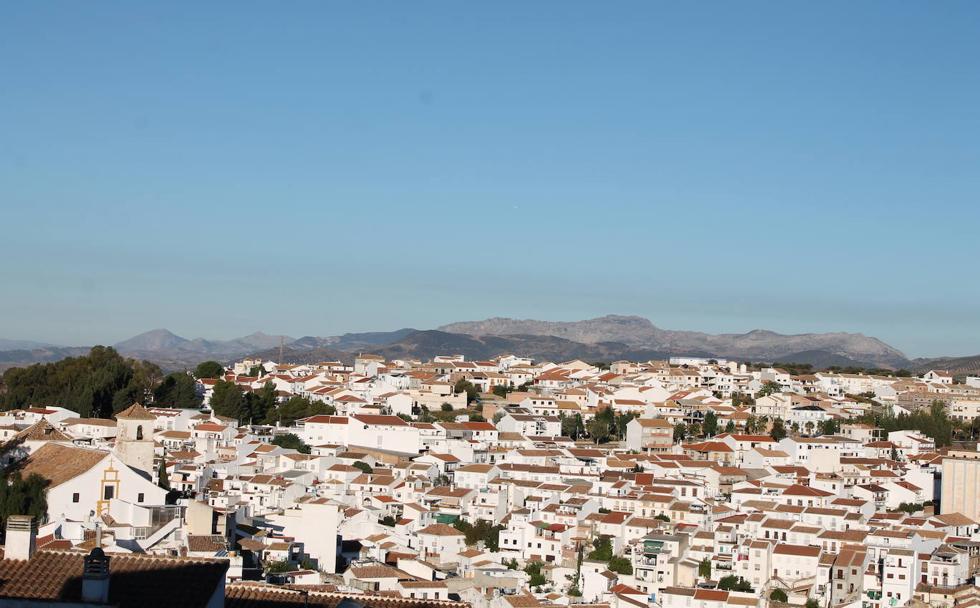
{"x":258,"y":595}
{"x":144,"y":581}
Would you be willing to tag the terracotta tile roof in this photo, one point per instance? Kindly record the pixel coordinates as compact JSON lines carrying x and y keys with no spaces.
{"x":441,"y":530}
{"x":89,"y":421}
{"x":59,"y":463}
{"x":39,"y":431}
{"x":134,"y":580}
{"x":377,"y":420}
{"x":258,"y":595}
{"x":209,"y":543}
{"x":378,"y":571}
{"x":136,"y":412}
{"x":796,"y":550}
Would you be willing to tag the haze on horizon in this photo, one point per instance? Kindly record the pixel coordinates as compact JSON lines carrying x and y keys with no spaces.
{"x":224,"y":168}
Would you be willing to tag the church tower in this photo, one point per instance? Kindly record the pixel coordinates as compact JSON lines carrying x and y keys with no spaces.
{"x":134,"y":438}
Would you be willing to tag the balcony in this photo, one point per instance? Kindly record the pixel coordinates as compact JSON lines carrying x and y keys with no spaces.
{"x":653,"y":547}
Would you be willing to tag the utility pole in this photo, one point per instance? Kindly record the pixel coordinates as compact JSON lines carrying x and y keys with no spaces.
{"x":282,"y":343}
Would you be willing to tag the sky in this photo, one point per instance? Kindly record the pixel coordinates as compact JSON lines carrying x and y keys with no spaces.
{"x":313,"y":168}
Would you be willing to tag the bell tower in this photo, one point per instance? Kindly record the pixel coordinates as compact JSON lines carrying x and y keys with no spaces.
{"x":134,"y":438}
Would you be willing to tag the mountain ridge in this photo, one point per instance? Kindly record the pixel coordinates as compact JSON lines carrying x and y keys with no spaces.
{"x":641,"y":332}
{"x":603,"y":338}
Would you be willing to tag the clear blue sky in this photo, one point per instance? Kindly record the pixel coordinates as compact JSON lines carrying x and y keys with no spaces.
{"x":322,"y":167}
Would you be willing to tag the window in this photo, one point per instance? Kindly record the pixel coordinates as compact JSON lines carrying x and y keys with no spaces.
{"x":139,"y":497}
{"x":109,"y":492}
{"x":139,"y":432}
{"x":74,"y":497}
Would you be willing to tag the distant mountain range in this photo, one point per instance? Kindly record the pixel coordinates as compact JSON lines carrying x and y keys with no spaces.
{"x":165,"y":341}
{"x":637,"y":332}
{"x":21,"y":345}
{"x":602,"y":339}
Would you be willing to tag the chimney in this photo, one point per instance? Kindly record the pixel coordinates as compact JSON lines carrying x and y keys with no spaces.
{"x":21,"y":537}
{"x":95,"y":577}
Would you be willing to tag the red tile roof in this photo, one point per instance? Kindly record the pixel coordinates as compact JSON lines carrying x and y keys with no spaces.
{"x":148,"y":582}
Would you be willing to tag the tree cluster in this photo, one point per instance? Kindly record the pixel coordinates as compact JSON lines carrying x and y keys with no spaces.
{"x":481,"y":530}
{"x":95,"y":385}
{"x":291,"y":441}
{"x":262,"y":406}
{"x":933,"y":422}
{"x":735,"y":583}
{"x":177,"y":390}
{"x":608,"y":424}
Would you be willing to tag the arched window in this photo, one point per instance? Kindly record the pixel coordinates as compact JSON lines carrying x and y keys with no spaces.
{"x":139,"y":432}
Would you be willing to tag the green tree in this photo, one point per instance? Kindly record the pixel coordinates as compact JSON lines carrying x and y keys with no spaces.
{"x":20,"y":496}
{"x":97,"y":384}
{"x":226,"y":399}
{"x":256,"y":405}
{"x":295,"y":408}
{"x":621,"y":565}
{"x":680,"y":432}
{"x":208,"y":369}
{"x":830,"y":426}
{"x":598,"y":429}
{"x":465,"y":386}
{"x":621,"y":421}
{"x":812,"y":603}
{"x":710,"y":424}
{"x":177,"y":390}
{"x":572,"y":426}
{"x":662,"y":517}
{"x":734,"y":583}
{"x":768,"y":388}
{"x":363,"y":466}
{"x":291,"y":442}
{"x":163,"y":479}
{"x":932,"y":421}
{"x":778,"y":595}
{"x":482,"y":530}
{"x":704,"y":568}
{"x":602,"y":549}
{"x":500,"y":390}
{"x":388,"y":520}
{"x":778,"y":430}
{"x":533,"y":570}
{"x":446,"y":407}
